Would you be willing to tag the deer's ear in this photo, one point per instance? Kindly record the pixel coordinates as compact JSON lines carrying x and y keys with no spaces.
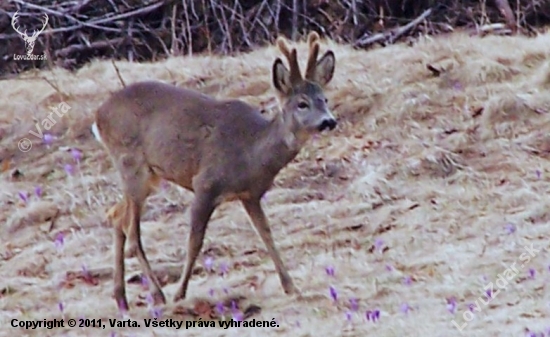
{"x":281,"y":77}
{"x":324,"y":70}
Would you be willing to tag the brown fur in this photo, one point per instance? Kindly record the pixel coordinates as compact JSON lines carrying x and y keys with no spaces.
{"x":220,"y":149}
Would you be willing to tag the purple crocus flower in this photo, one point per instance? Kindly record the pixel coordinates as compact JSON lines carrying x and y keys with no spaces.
{"x":373,"y":315}
{"x":156,"y":312}
{"x":144,"y":282}
{"x":532,"y":273}
{"x":236,"y":313}
{"x":407,"y":280}
{"x":149,"y":299}
{"x":224,"y":268}
{"x":208,"y":262}
{"x":24,"y":196}
{"x":451,"y":305}
{"x":378,"y":243}
{"x":76,"y":154}
{"x":122,"y":307}
{"x":510,"y":228}
{"x":354,"y":304}
{"x":59,"y":240}
{"x":457,"y":85}
{"x":48,"y":138}
{"x":405,"y":308}
{"x":69,"y":169}
{"x":333,"y":293}
{"x":220,"y":308}
{"x":238,"y":316}
{"x":38,"y":191}
{"x":329,"y":270}
{"x":348,"y":316}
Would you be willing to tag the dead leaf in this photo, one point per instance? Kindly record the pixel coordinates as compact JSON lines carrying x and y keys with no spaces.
{"x":355,"y":227}
{"x":251,"y":310}
{"x":182,"y":311}
{"x":6,"y":165}
{"x":36,"y":213}
{"x":203,"y":309}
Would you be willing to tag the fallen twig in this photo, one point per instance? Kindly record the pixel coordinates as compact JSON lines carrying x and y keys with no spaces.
{"x":392,"y":35}
{"x":94,"y":45}
{"x":500,"y":28}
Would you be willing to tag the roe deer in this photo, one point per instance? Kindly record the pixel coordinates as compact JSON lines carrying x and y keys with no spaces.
{"x":222,"y":150}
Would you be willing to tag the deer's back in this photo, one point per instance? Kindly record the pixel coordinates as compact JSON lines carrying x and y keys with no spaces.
{"x":179,"y":131}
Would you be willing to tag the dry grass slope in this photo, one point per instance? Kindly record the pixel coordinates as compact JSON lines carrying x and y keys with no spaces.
{"x":438,"y":180}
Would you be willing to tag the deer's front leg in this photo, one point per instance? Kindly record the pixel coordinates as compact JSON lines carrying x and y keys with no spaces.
{"x":259,"y":220}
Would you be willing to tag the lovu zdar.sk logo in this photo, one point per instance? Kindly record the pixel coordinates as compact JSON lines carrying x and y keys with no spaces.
{"x":29,"y":40}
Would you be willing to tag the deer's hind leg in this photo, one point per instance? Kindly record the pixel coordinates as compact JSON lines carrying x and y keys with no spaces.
{"x":137,"y":183}
{"x":201,"y":210}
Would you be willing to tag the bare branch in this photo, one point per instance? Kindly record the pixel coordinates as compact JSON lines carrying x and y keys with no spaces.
{"x":394,"y":34}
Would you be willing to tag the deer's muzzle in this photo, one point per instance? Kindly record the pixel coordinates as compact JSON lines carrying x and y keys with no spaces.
{"x":328,"y":124}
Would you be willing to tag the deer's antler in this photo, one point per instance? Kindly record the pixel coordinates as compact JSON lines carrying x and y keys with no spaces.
{"x":292,"y":57}
{"x":313,"y":43}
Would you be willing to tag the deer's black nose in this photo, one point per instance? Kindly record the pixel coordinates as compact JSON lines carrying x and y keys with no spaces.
{"x":328,"y":124}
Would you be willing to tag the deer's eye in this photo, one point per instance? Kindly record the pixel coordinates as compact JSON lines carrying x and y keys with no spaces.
{"x":302,"y":105}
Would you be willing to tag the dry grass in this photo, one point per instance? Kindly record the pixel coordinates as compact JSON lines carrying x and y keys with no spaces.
{"x":441,"y":180}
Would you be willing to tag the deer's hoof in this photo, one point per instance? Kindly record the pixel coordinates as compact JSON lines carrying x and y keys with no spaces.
{"x":290,"y":289}
{"x":180,"y":295}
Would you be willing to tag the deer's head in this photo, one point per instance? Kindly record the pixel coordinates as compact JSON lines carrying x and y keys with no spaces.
{"x":303,"y":99}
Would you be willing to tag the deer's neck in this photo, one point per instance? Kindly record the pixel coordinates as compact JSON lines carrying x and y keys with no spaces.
{"x":279,"y":144}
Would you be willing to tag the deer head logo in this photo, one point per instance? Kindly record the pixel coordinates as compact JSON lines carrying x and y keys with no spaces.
{"x":29,"y":40}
